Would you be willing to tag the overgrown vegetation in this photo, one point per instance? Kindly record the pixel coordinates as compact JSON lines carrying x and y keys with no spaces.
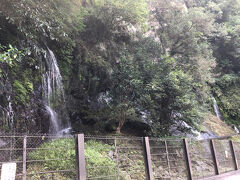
{"x":101,"y":160}
{"x":63,"y":151}
{"x":146,"y":63}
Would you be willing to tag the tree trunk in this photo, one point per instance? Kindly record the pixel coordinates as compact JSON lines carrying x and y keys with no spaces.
{"x":120,"y":123}
{"x":118,"y":131}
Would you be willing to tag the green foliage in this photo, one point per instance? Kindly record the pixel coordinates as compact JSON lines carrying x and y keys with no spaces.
{"x":227,"y":80}
{"x":10,"y":59}
{"x":145,"y":82}
{"x":56,"y":149}
{"x":9,"y":55}
{"x":171,"y":91}
{"x":225,"y":47}
{"x":102,"y":47}
{"x":97,"y":156}
{"x":52,"y":19}
{"x":227,"y":91}
{"x":64,"y":149}
{"x":64,"y":53}
{"x":135,"y":12}
{"x":110,"y":19}
{"x":20,"y":92}
{"x":63,"y":19}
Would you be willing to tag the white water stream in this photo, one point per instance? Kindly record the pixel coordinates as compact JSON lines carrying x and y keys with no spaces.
{"x":216,"y":109}
{"x":236,"y":129}
{"x":219,"y":116}
{"x":53,"y":93}
{"x":191,"y":133}
{"x":10,"y":112}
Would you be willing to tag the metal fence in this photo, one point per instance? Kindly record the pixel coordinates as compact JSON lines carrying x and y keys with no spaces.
{"x":39,"y":157}
{"x":117,"y":158}
{"x":213,"y":157}
{"x":120,"y":158}
{"x":201,"y":159}
{"x":168,"y":159}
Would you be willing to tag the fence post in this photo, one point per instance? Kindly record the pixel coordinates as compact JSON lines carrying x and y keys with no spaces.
{"x":188,"y":160}
{"x":167,"y":156}
{"x":80,"y":157}
{"x":233,"y":155}
{"x":148,"y":161}
{"x":24,"y":170}
{"x":116,"y":154}
{"x":215,"y":161}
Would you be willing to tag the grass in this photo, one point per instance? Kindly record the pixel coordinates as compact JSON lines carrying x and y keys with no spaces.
{"x":59,"y":154}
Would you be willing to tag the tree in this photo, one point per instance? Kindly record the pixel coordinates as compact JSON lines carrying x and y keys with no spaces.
{"x":145,"y":81}
{"x":126,"y":84}
{"x":183,"y":32}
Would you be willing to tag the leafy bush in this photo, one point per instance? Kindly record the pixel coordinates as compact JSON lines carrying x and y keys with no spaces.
{"x":98,"y":161}
{"x":20,"y":91}
{"x":96,"y":153}
{"x":228,"y":97}
{"x":132,"y":11}
{"x":9,"y":54}
{"x":56,"y":149}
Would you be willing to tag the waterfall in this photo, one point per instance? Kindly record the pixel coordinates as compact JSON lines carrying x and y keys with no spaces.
{"x":236,"y":129}
{"x":53,"y":93}
{"x":216,"y":109}
{"x":181,"y":128}
{"x":54,"y":126}
{"x":7,"y":113}
{"x":10,"y":113}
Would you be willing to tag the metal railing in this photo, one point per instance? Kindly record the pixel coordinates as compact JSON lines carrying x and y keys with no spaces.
{"x":34,"y":159}
{"x":117,"y":158}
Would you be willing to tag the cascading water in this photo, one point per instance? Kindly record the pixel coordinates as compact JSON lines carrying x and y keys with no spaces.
{"x":236,"y":129}
{"x":216,"y":109}
{"x":219,"y":116}
{"x":7,"y":113}
{"x":10,"y":113}
{"x":53,"y":93}
{"x":54,"y":126}
{"x":175,"y":130}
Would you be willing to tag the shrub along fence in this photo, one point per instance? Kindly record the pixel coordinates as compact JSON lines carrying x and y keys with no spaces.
{"x":87,"y":157}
